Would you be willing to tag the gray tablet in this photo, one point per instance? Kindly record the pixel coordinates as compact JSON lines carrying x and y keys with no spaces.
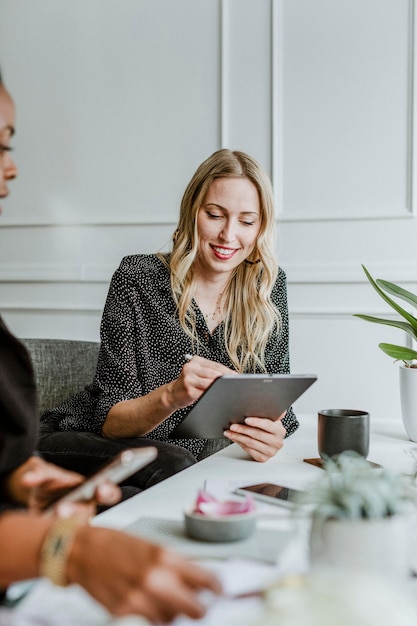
{"x":231,"y":398}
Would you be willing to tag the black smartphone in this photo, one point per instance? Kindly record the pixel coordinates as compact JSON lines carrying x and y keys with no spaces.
{"x":121,"y":467}
{"x":272,"y":494}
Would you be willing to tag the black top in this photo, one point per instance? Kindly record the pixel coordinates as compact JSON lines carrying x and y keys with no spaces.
{"x":18,"y":404}
{"x":143,"y":346}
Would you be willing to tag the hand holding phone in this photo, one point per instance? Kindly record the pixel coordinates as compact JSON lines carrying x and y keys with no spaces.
{"x":121,"y":467}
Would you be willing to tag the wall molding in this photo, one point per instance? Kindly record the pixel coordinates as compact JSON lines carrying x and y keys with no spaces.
{"x":297,"y":313}
{"x":294,"y":312}
{"x":277,"y":79}
{"x":305,"y":214}
{"x":412,"y":110}
{"x":105,"y":223}
{"x":223,"y":74}
{"x":280,"y":218}
{"x":55,"y":273}
{"x":351,"y":273}
{"x":300,"y":216}
{"x":26,"y":308}
{"x":297,"y":273}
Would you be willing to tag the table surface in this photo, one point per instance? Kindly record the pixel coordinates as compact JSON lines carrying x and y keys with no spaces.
{"x":157,"y":514}
{"x":169,"y":499}
{"x":281,"y":539}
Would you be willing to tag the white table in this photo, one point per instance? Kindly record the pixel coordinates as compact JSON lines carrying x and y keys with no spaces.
{"x":169,"y":498}
{"x":157,"y":514}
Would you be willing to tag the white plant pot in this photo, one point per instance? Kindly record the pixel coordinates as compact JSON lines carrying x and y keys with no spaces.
{"x":377,"y":546}
{"x":408,"y":393}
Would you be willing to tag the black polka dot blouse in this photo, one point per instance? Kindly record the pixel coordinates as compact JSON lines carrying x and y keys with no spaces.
{"x":143,"y":347}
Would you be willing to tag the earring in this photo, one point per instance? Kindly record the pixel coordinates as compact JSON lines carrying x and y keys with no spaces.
{"x":252,"y":262}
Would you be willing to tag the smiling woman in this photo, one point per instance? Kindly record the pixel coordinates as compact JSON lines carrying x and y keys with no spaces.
{"x":224,"y":245}
{"x":218,"y":296}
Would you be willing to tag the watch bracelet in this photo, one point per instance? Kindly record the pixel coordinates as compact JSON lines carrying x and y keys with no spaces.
{"x":55,"y":549}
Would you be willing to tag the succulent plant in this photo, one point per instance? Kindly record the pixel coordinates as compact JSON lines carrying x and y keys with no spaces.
{"x":352,"y":489}
{"x":409,"y":325}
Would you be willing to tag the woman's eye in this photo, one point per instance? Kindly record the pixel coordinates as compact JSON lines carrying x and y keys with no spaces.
{"x":248,"y":223}
{"x":214,"y":216}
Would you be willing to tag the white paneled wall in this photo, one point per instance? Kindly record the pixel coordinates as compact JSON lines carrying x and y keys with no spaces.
{"x":118,"y":102}
{"x":347,"y":107}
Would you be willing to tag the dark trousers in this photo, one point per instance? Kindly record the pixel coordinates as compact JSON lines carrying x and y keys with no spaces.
{"x":86,"y":452}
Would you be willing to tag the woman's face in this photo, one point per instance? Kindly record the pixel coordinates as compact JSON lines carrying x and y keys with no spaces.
{"x":228,"y":224}
{"x":8,"y":169}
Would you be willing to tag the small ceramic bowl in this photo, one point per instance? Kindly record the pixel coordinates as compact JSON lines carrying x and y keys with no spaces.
{"x":220,"y":527}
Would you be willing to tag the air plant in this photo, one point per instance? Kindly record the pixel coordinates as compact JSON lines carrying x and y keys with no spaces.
{"x":352,"y":489}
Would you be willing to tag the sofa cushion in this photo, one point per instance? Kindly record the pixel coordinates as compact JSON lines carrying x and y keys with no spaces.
{"x":62,"y":368}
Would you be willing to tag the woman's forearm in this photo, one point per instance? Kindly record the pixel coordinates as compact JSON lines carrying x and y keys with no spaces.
{"x":138,"y":416}
{"x":21,"y":538}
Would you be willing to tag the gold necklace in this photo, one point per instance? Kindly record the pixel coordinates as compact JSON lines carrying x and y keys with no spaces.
{"x":217,"y":311}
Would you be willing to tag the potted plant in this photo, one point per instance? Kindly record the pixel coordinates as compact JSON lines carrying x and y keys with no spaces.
{"x":360,"y":517}
{"x":408,"y":356}
{"x":359,"y":550}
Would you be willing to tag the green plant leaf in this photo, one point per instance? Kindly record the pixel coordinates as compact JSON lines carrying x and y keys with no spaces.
{"x":405,"y":326}
{"x":398,"y":352}
{"x":410,"y":318}
{"x":398,"y":291}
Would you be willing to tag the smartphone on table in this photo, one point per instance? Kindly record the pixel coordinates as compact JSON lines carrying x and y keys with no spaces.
{"x":124,"y":464}
{"x":272,"y":494}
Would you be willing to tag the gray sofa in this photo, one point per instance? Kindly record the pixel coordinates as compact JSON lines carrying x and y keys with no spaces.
{"x":64,"y":366}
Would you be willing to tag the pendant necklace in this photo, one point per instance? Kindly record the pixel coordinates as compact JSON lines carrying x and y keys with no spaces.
{"x":217,"y":311}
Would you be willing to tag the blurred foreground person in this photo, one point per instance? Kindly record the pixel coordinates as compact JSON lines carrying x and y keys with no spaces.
{"x":127,"y":575}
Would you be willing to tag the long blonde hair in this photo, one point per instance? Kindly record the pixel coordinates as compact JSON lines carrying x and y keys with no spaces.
{"x":250,"y":315}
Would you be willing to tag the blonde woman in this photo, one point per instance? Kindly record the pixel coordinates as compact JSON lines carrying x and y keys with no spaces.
{"x":218,"y":296}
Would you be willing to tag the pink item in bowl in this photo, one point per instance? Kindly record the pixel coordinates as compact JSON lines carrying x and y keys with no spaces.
{"x":209,"y":505}
{"x":214,"y":520}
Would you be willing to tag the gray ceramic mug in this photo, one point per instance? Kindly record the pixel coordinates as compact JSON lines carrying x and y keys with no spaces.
{"x":343,"y":429}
